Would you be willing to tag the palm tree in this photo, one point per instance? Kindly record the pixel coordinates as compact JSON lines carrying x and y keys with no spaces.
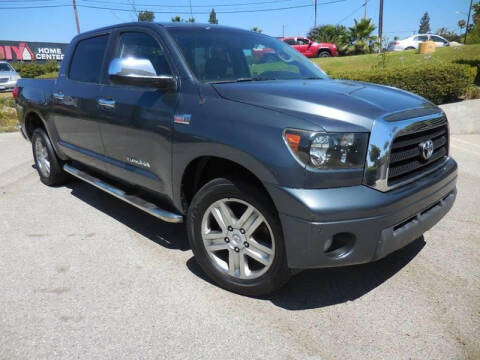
{"x":361,"y":40}
{"x":256,"y":29}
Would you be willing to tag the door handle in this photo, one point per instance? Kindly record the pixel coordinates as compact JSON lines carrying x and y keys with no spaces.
{"x":58,"y":95}
{"x":106,"y":103}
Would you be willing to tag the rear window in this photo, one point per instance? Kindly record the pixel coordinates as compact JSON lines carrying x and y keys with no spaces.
{"x":87,"y":59}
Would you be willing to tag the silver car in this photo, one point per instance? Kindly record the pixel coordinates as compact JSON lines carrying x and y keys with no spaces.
{"x":8,"y":76}
{"x":413,"y":41}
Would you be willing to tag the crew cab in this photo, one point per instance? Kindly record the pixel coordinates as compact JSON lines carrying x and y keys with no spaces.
{"x":310,"y":48}
{"x":273,"y":166}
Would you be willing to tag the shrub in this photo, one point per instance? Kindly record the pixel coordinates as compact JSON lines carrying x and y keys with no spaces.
{"x":438,"y":83}
{"x":50,"y":75}
{"x":34,"y":69}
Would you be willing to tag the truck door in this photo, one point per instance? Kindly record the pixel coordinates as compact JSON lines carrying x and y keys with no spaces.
{"x":75,"y":112}
{"x":138,"y":120}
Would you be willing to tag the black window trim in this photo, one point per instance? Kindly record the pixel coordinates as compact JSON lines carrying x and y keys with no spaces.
{"x":102,"y":70}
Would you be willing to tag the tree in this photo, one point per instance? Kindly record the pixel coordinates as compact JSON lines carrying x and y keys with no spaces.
{"x":474,"y":29}
{"x":213,"y":17}
{"x":256,"y":29}
{"x":146,"y":16}
{"x":461,"y":24}
{"x":191,"y":20}
{"x":360,"y":38}
{"x":177,"y":18}
{"x":449,"y":35}
{"x":336,"y":34}
{"x":424,"y":24}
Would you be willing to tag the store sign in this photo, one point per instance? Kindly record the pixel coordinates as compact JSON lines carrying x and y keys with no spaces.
{"x":30,"y":51}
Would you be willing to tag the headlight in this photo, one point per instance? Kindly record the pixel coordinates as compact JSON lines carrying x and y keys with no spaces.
{"x":327,"y":151}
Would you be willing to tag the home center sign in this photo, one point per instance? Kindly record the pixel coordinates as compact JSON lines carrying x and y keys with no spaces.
{"x":30,"y":51}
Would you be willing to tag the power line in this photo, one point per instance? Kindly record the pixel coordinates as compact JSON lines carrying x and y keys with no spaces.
{"x":176,"y":12}
{"x":353,"y":12}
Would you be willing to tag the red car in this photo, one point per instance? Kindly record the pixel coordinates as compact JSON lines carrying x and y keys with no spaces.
{"x":311,"y":48}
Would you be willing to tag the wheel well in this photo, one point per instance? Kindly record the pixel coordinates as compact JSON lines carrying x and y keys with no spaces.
{"x":32,"y":122}
{"x":324,"y":49}
{"x":206,"y":168}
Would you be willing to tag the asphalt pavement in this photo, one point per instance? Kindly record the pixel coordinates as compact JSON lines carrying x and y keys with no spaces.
{"x":86,"y":276}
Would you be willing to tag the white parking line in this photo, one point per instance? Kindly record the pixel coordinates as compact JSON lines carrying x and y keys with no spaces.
{"x":458,"y":147}
{"x":465,"y":142}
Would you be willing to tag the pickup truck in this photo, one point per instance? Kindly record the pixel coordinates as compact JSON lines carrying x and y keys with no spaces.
{"x":311,"y":48}
{"x":273,"y":166}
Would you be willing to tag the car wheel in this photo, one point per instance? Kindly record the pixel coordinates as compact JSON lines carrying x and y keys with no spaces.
{"x":46,"y":161}
{"x":410,"y":48}
{"x":324,"y":53}
{"x":236,"y":237}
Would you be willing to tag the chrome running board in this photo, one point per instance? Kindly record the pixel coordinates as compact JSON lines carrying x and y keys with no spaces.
{"x":120,"y":194}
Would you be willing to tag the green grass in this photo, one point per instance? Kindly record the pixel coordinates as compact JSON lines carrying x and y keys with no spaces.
{"x":8,"y":114}
{"x":397,"y":59}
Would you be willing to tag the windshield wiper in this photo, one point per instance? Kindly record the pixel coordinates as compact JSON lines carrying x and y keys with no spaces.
{"x":312,"y":78}
{"x":244,"y":79}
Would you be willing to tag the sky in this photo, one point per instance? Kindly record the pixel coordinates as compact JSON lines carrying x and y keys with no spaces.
{"x":57,"y":24}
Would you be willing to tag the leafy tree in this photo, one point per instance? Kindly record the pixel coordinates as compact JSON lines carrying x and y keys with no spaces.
{"x":474,"y":29}
{"x":329,"y":33}
{"x":146,"y":16}
{"x":424,"y":24}
{"x":256,"y":29}
{"x":360,"y":38}
{"x":191,"y":20}
{"x":449,"y":35}
{"x":213,"y":17}
{"x":177,"y":18}
{"x":461,"y":24}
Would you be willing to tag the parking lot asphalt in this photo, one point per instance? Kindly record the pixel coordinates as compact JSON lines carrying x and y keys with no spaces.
{"x":85,"y":276}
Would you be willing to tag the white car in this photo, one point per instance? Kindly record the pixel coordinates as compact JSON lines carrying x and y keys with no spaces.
{"x":412,"y":42}
{"x":8,"y":76}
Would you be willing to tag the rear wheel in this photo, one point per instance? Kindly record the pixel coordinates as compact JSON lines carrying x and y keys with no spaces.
{"x":236,"y":237}
{"x":410,"y":48}
{"x":46,"y":161}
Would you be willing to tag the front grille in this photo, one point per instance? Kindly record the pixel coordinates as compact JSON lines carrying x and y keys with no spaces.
{"x":3,"y":80}
{"x":406,"y":161}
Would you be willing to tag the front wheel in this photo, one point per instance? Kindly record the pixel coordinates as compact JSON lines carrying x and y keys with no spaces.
{"x":236,"y":237}
{"x":324,"y":54}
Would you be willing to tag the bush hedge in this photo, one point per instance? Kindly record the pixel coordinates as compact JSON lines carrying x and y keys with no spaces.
{"x":34,"y":69}
{"x":50,"y":75}
{"x":438,"y":83}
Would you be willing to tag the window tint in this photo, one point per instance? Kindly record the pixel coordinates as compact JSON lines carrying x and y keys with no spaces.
{"x":87,"y":59}
{"x":420,"y":38}
{"x":142,"y":46}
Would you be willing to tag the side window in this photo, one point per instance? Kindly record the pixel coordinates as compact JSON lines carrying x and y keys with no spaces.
{"x":142,"y":46}
{"x":290,"y":41}
{"x":302,"y":41}
{"x":87,"y":59}
{"x":420,"y":38}
{"x":436,"y":39}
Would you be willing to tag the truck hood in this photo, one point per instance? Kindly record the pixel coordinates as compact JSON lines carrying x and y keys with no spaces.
{"x":334,"y":105}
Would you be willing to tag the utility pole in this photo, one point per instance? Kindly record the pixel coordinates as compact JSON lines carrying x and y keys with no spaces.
{"x":380,"y":25}
{"x":76,"y":16}
{"x":283,"y":30}
{"x":315,"y":22}
{"x":365,"y":14}
{"x":468,"y":22}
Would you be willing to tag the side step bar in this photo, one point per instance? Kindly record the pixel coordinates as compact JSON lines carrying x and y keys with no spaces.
{"x":120,"y":194}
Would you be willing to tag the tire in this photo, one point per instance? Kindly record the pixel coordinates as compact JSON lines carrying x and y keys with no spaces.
{"x":48,"y":166}
{"x":253,"y":278}
{"x":324,"y":53}
{"x":409,"y":48}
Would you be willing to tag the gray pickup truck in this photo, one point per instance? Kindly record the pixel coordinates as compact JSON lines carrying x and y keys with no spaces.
{"x":273,"y":166}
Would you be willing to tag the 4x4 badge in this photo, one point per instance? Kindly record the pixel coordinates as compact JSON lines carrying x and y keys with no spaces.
{"x":182,"y":119}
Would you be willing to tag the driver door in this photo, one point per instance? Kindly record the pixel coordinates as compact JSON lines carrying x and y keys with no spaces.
{"x":138,"y":120}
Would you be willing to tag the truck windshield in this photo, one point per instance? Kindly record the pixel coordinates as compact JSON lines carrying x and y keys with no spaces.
{"x":215,"y":55}
{"x":5,"y":67}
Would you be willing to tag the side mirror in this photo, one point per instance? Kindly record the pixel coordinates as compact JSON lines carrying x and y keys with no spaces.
{"x":139,"y":72}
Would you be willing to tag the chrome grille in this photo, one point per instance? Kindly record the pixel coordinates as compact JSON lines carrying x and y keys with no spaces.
{"x":406,"y":161}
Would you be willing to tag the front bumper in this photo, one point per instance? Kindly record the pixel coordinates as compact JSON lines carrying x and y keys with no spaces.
{"x":9,"y":85}
{"x":358,"y":224}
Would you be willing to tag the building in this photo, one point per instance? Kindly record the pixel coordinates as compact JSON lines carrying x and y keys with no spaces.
{"x":31,"y":51}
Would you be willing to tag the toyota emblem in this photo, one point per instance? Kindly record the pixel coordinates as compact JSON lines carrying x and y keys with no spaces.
{"x":426,"y":149}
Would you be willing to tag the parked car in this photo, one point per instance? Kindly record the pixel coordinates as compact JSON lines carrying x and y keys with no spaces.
{"x":311,"y":48}
{"x":273,"y":166}
{"x":412,"y":42}
{"x":8,"y":76}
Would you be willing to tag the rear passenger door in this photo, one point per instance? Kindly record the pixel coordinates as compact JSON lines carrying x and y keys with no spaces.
{"x":75,"y":112}
{"x":137,"y":128}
